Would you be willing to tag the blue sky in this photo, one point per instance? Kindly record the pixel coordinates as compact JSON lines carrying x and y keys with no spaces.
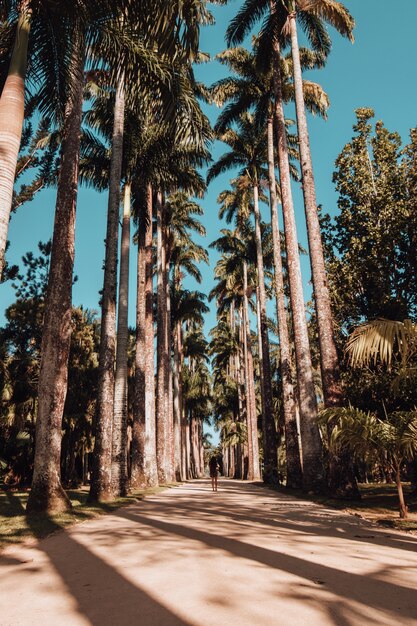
{"x":377,"y":71}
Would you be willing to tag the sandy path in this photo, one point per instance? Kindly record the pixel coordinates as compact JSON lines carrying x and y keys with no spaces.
{"x":242,"y":556}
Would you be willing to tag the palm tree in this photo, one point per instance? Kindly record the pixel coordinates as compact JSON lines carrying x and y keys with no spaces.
{"x":143,"y":463}
{"x":187,"y":307}
{"x":47,"y":493}
{"x":392,"y":441}
{"x":11,"y":122}
{"x":182,"y":256}
{"x":119,"y":432}
{"x":233,"y":289}
{"x":269,"y":47}
{"x":101,"y":475}
{"x":248,"y":150}
{"x":335,"y":14}
{"x":254,"y":88}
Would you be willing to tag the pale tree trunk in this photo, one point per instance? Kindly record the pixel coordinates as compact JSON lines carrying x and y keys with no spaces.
{"x":119,"y":432}
{"x":232,"y":466}
{"x":151,"y":469}
{"x":138,"y":479}
{"x":247,"y":448}
{"x":254,"y":472}
{"x":197,"y":447}
{"x":169,"y":400}
{"x":178,"y":464}
{"x":144,"y":471}
{"x":193,"y":465}
{"x":342,"y":479}
{"x":225,"y":461}
{"x":101,"y":471}
{"x":201,"y":449}
{"x":185,"y":459}
{"x":242,"y":415}
{"x":293,"y":463}
{"x":47,"y":493}
{"x":268,"y":423}
{"x":328,"y":355}
{"x":144,"y":467}
{"x":403,"y":506}
{"x":12,"y":105}
{"x":188,"y":446}
{"x":313,"y":475}
{"x":162,"y":417}
{"x":246,"y":382}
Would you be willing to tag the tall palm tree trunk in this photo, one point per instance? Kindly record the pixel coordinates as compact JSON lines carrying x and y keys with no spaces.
{"x":151,"y":469}
{"x":169,"y":399}
{"x":162,"y":417}
{"x":144,"y":470}
{"x":341,"y":475}
{"x":293,"y":463}
{"x":47,"y":493}
{"x":12,"y":104}
{"x":189,"y":473}
{"x":328,"y":355}
{"x":185,"y":456}
{"x":313,"y":478}
{"x":178,"y":469}
{"x":138,"y":479}
{"x":119,"y":432}
{"x":254,"y":469}
{"x":268,"y":423}
{"x":101,"y":472}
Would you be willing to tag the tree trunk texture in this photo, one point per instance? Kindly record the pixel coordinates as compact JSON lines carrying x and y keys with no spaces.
{"x":101,"y":471}
{"x":256,"y":474}
{"x":188,"y":447}
{"x":138,"y":479}
{"x":151,"y":469}
{"x":270,"y":474}
{"x":201,"y":448}
{"x":403,"y":506}
{"x":328,"y":355}
{"x":185,"y":459}
{"x":12,"y":104}
{"x":246,"y":386}
{"x":251,"y":379}
{"x":342,"y":479}
{"x":313,"y":476}
{"x":119,"y":431}
{"x":169,"y":399}
{"x":293,"y":462}
{"x":47,"y":493}
{"x":178,"y":464}
{"x":162,"y":416}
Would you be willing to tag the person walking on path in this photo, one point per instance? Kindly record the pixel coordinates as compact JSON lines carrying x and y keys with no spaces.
{"x":214,"y":472}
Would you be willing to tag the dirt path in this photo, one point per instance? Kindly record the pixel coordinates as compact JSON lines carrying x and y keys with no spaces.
{"x":242,"y":556}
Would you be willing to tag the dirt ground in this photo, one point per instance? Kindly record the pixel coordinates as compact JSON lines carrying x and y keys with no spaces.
{"x":242,"y":556}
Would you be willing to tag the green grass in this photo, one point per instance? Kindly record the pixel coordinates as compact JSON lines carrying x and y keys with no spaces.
{"x":16,"y":526}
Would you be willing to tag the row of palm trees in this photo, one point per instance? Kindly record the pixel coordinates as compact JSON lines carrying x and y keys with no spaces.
{"x":144,"y":134}
{"x":264,"y":80}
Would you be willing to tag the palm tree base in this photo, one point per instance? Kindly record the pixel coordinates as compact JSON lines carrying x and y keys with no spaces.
{"x":46,"y":499}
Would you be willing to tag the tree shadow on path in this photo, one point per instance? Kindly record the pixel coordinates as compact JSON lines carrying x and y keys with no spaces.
{"x":368,"y":591}
{"x":103,"y":595}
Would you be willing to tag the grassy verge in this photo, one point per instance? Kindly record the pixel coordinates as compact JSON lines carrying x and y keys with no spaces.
{"x":379,"y":504}
{"x":16,"y":527}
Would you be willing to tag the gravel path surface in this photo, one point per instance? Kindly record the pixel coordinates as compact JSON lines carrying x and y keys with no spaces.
{"x":189,"y":557}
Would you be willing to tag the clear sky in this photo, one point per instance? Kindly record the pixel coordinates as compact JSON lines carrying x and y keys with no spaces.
{"x":377,"y":71}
